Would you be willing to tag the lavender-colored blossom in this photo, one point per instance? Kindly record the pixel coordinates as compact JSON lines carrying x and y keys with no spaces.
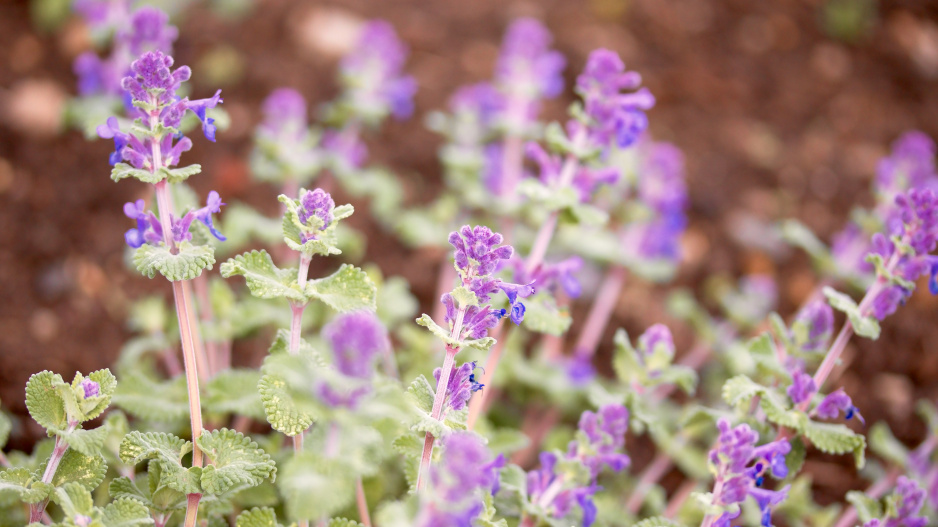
{"x":346,"y":148}
{"x":357,"y":339}
{"x":479,"y":103}
{"x":103,"y":15}
{"x":817,"y":318}
{"x":586,"y":181}
{"x":550,"y":275}
{"x":910,"y":165}
{"x":284,"y":113}
{"x":613,"y":114}
{"x":837,"y":402}
{"x":598,"y":444}
{"x":849,"y":248}
{"x":373,"y":73}
{"x":148,"y":225}
{"x":477,"y":320}
{"x":315,"y":204}
{"x":802,"y":387}
{"x":656,"y":339}
{"x":199,"y":107}
{"x":462,"y":384}
{"x":739,"y":466}
{"x":909,"y":501}
{"x":478,"y":250}
{"x":466,"y":469}
{"x":91,"y":388}
{"x":526,"y":64}
{"x":150,"y":230}
{"x":150,"y":31}
{"x":152,"y":80}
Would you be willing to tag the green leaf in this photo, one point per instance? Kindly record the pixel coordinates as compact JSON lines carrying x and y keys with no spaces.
{"x":421,"y":394}
{"x":795,"y":459}
{"x":482,"y":344}
{"x":282,"y":412}
{"x":19,"y":484}
{"x":178,"y":175}
{"x":409,"y":445}
{"x":263,"y":278}
{"x":797,"y":234}
{"x":867,"y":508}
{"x":314,"y":486}
{"x":74,"y":500}
{"x":865,"y":326}
{"x":324,"y":243}
{"x":234,"y":392}
{"x":92,"y":407}
{"x":344,"y":522}
{"x":740,"y":389}
{"x":89,"y":471}
{"x":88,"y":442}
{"x":886,"y":446}
{"x":836,"y":439}
{"x":464,"y":297}
{"x":168,"y":450}
{"x":186,"y":264}
{"x":123,"y":170}
{"x":236,"y":461}
{"x":124,"y":488}
{"x":348,"y":289}
{"x":257,"y":517}
{"x":126,"y":513}
{"x":777,"y":411}
{"x":542,"y":315}
{"x":658,"y":521}
{"x":6,"y":426}
{"x":44,"y":403}
{"x":683,"y":377}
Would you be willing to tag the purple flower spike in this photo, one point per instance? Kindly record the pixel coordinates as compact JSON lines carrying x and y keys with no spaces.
{"x":112,"y":130}
{"x":91,"y":388}
{"x":477,"y":251}
{"x":654,"y":338}
{"x":461,"y":386}
{"x":465,"y":470}
{"x":614,"y":115}
{"x":480,"y":102}
{"x":911,"y":165}
{"x":837,"y":402}
{"x":526,"y":63}
{"x":818,"y":318}
{"x":802,"y":387}
{"x":151,"y":31}
{"x":102,"y":15}
{"x":213,"y":205}
{"x":315,"y":204}
{"x":152,"y":75}
{"x":199,"y":107}
{"x":284,"y":112}
{"x":356,"y":339}
{"x":374,"y":72}
{"x":136,"y":211}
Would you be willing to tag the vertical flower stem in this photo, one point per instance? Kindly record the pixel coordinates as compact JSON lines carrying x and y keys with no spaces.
{"x":296,"y":331}
{"x":658,"y":467}
{"x":680,"y":496}
{"x":600,"y":312}
{"x":438,"y":400}
{"x":362,"y":502}
{"x":214,"y":360}
{"x":37,"y":510}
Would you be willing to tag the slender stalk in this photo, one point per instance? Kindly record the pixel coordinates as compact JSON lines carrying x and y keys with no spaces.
{"x":658,"y":467}
{"x":680,"y":496}
{"x":296,"y":331}
{"x":600,"y":312}
{"x":438,"y":400}
{"x":214,"y":359}
{"x":546,"y":233}
{"x":37,"y":510}
{"x":477,"y":403}
{"x":362,"y":502}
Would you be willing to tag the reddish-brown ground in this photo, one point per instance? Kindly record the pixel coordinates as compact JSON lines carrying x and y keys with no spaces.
{"x":776,"y":119}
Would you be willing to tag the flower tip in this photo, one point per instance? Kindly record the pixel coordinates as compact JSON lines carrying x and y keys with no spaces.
{"x":91,"y":388}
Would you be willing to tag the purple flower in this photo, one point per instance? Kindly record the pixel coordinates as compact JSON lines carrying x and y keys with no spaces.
{"x":372,"y":73}
{"x":802,"y":387}
{"x":477,"y":321}
{"x":150,"y":230}
{"x":656,"y":338}
{"x":477,"y":250}
{"x":103,"y":15}
{"x":480,"y":102}
{"x":315,"y":204}
{"x":150,"y":31}
{"x":911,"y":165}
{"x":837,"y":402}
{"x":466,"y":467}
{"x":462,"y":384}
{"x":199,"y":107}
{"x":91,"y":388}
{"x":346,"y":147}
{"x":152,"y":81}
{"x":356,"y":339}
{"x":817,"y":318}
{"x":614,"y":115}
{"x":126,"y":146}
{"x":284,"y":112}
{"x":849,"y":248}
{"x":526,"y":64}
{"x":739,"y":466}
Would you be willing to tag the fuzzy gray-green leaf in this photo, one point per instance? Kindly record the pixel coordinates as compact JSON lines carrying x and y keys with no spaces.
{"x":186,"y":264}
{"x":236,"y":461}
{"x":348,"y":289}
{"x":263,"y":278}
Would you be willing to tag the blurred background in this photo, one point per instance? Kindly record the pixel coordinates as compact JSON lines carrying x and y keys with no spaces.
{"x":782,"y":109}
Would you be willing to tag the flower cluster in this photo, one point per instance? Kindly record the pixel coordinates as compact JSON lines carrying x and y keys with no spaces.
{"x":149,"y":230}
{"x":920,"y":464}
{"x":153,"y":88}
{"x":466,"y":468}
{"x":909,"y":501}
{"x":146,"y":29}
{"x":816,"y":321}
{"x":462,"y":384}
{"x":527,"y":71}
{"x":371,"y":74}
{"x":356,"y":339}
{"x":585,"y":181}
{"x":315,"y":212}
{"x":613,"y":115}
{"x":90,"y":388}
{"x":478,"y":254}
{"x":661,"y":187}
{"x":738,"y":465}
{"x":906,"y":254}
{"x":599,"y":443}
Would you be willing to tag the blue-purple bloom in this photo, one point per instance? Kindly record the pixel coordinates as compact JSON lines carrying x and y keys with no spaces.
{"x":316,"y":204}
{"x":599,"y":443}
{"x":739,"y":465}
{"x":837,"y":402}
{"x":149,"y":230}
{"x":90,"y":388}
{"x":802,"y":387}
{"x":372,"y":73}
{"x":614,"y":115}
{"x":586,"y":181}
{"x":357,"y":339}
{"x":462,"y":384}
{"x":910,"y":499}
{"x":817,"y":318}
{"x":466,"y":469}
{"x":149,"y":30}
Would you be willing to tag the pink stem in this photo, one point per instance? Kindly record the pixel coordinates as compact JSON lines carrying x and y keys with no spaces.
{"x":362,"y":502}
{"x":438,"y":400}
{"x":207,"y":316}
{"x":653,"y":472}
{"x":600,"y":312}
{"x":680,"y":496}
{"x":296,"y":331}
{"x":37,"y":510}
